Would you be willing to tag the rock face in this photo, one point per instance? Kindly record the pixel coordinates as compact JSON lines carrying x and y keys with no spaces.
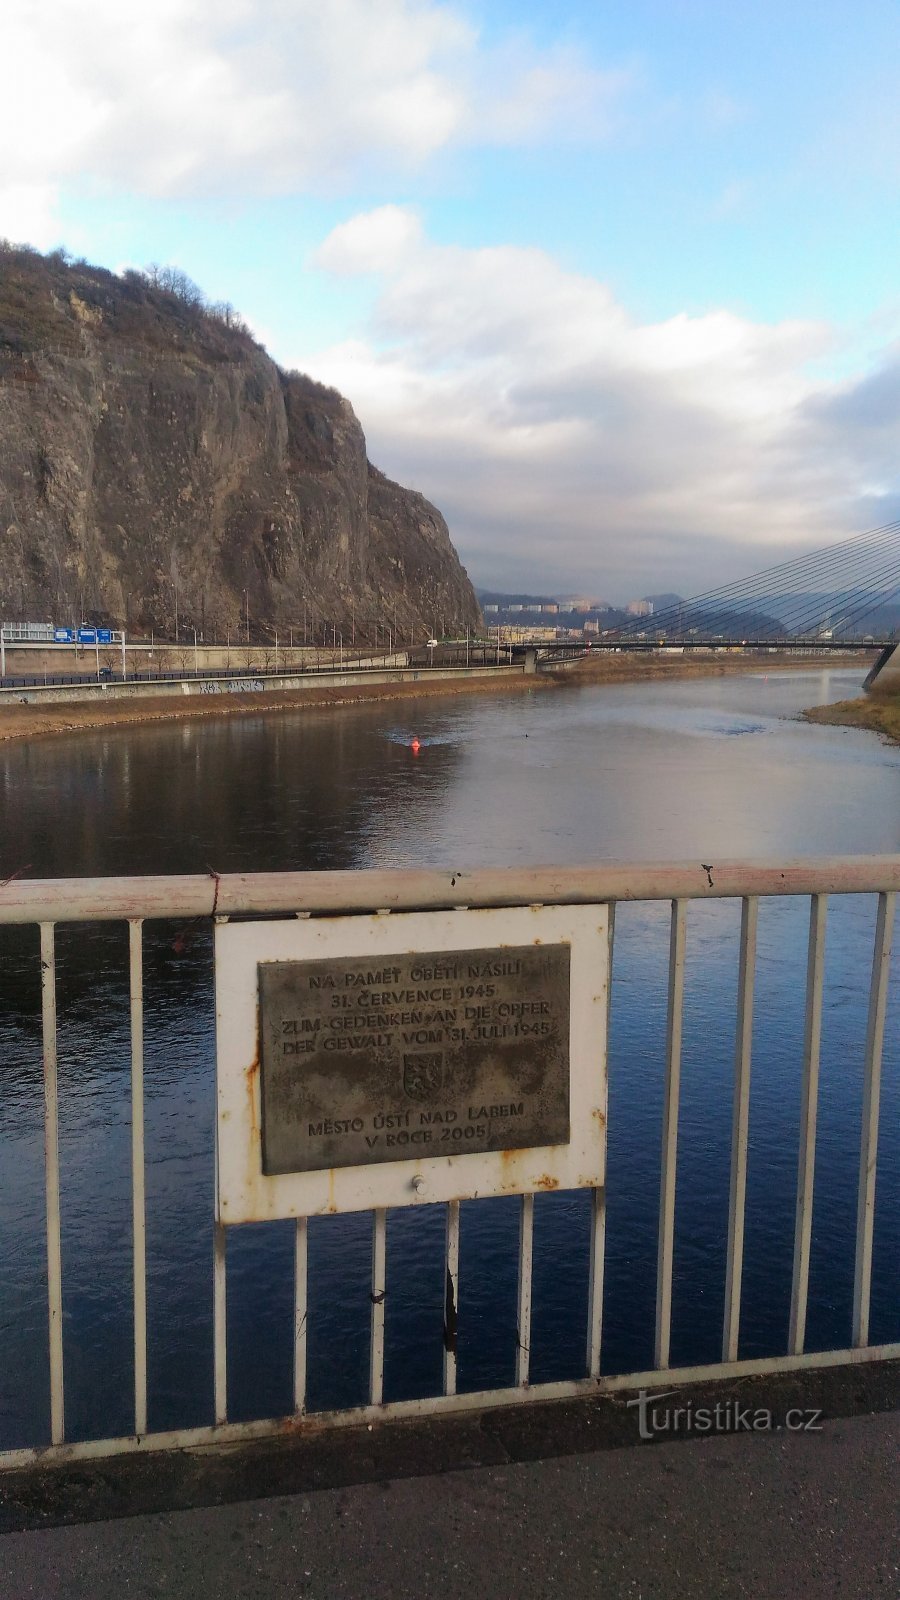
{"x":152,"y":456}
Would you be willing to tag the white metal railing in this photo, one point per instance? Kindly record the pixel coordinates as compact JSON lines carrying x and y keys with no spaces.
{"x":134,"y":900}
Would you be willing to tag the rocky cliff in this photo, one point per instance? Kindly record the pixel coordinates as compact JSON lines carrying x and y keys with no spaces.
{"x":152,"y":456}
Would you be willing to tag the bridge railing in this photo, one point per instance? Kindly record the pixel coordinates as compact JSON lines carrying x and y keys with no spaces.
{"x":54,"y":904}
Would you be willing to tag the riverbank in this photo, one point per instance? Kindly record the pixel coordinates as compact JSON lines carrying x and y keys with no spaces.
{"x":630,"y":667}
{"x":38,"y":721}
{"x":878,"y":711}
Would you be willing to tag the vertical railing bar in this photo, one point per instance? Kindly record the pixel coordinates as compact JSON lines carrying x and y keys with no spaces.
{"x":376,"y":1348}
{"x":51,"y":1181}
{"x":301,"y":1256}
{"x":138,"y":1202}
{"x":868,"y":1149}
{"x":523,"y":1320}
{"x":451,"y":1297}
{"x":598,"y":1196}
{"x":595,"y":1281}
{"x":220,"y":1333}
{"x":739,"y":1128}
{"x":669,"y":1156}
{"x":812,"y":1037}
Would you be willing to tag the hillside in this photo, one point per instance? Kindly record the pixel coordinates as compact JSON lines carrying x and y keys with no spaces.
{"x":153,"y":456}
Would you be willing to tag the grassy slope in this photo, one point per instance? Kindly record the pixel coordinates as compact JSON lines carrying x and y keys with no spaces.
{"x":878,"y":711}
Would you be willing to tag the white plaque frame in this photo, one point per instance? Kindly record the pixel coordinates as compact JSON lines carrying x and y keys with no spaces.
{"x":243,"y":1191}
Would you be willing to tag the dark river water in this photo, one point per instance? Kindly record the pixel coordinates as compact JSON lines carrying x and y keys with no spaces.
{"x":699,"y":769}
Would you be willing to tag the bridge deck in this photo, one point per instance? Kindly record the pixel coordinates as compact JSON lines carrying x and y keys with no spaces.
{"x":733,"y":1515}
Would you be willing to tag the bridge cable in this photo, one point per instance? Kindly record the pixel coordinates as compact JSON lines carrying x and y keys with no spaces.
{"x":772,"y":590}
{"x":830,"y":559}
{"x":774,"y":582}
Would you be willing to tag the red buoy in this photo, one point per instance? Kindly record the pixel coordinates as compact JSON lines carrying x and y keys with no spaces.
{"x":414,"y":747}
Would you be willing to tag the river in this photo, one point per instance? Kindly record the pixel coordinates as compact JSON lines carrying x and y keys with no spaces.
{"x":693,"y":769}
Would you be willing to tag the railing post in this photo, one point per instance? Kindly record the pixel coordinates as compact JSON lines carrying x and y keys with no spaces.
{"x":815,"y":967}
{"x":523,"y":1319}
{"x":300,"y":1312}
{"x":376,"y":1349}
{"x":666,"y":1235}
{"x":220,"y":1335}
{"x":739,"y":1129}
{"x":451,"y":1296}
{"x":868,"y":1152}
{"x":51,"y":1181}
{"x":598,"y":1196}
{"x":138,"y":1204}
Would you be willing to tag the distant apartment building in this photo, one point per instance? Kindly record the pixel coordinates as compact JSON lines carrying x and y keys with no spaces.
{"x":490,"y":610}
{"x":551,"y":608}
{"x":510,"y":634}
{"x":639,"y":608}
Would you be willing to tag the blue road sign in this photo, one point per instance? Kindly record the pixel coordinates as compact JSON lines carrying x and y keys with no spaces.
{"x":64,"y":635}
{"x":88,"y":636}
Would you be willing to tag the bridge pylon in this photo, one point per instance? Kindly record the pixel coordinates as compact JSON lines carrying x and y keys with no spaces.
{"x":886,"y":671}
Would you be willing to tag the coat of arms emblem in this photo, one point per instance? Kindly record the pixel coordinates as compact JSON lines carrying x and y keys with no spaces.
{"x":423,"y":1073}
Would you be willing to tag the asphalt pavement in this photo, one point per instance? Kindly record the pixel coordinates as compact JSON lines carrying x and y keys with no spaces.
{"x":770,"y":1514}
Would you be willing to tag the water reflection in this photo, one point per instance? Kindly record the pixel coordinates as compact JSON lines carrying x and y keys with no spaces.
{"x":695,"y":770}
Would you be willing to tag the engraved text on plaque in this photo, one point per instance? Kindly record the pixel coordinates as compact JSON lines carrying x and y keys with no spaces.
{"x":393,"y":1058}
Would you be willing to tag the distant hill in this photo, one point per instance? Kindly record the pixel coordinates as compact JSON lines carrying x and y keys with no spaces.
{"x":153,"y":456}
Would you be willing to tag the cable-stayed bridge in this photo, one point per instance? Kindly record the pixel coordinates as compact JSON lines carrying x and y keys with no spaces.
{"x":846,"y":595}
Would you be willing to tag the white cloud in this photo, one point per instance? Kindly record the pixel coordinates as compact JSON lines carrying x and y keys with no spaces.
{"x":567,"y":442}
{"x":189,"y":97}
{"x":28,"y":214}
{"x":373,"y":241}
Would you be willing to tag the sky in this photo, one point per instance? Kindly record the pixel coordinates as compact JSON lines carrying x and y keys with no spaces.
{"x":615,"y":286}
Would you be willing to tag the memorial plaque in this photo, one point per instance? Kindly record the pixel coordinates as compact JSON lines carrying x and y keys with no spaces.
{"x":402,"y":1057}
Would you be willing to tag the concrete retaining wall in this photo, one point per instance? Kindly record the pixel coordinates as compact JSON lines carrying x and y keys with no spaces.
{"x":251,"y":684}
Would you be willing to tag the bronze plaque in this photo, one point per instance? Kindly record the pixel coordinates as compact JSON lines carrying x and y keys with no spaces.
{"x":399,"y":1057}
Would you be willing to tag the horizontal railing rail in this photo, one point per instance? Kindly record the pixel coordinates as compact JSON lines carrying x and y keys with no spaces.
{"x":220,"y":896}
{"x":421,"y":889}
